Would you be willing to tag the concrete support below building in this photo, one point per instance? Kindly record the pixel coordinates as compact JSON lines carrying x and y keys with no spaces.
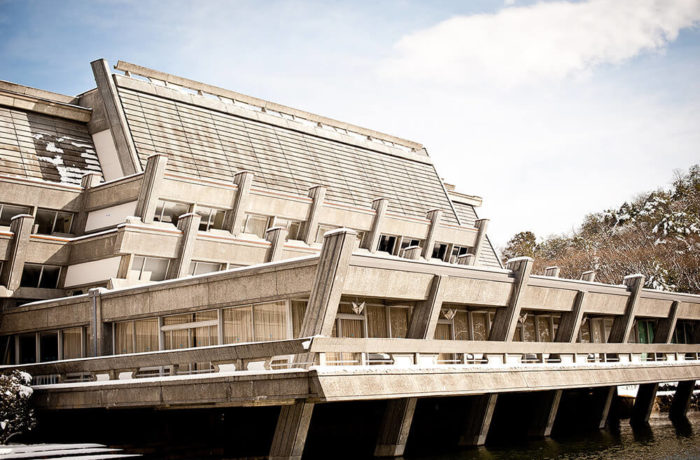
{"x":544,"y":412}
{"x":506,"y":319}
{"x":380,"y":205}
{"x":602,"y":400}
{"x":151,"y":188}
{"x":235,"y":219}
{"x":681,"y":400}
{"x":318,"y":195}
{"x":277,"y":237}
{"x":478,"y":420}
{"x":189,"y":225}
{"x":396,"y":425}
{"x":291,"y":431}
{"x":21,"y":227}
{"x":434,"y":216}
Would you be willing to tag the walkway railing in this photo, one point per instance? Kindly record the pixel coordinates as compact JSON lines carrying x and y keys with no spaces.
{"x":261,"y":357}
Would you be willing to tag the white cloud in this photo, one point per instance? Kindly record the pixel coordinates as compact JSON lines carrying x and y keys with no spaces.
{"x":545,"y":41}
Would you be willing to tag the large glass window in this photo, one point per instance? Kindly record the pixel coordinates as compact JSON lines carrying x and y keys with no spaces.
{"x":48,"y":346}
{"x":139,"y":336}
{"x":49,"y":221}
{"x":72,"y":343}
{"x":200,"y":268}
{"x":298,"y":312}
{"x":170,"y":211}
{"x":211,"y":218}
{"x":293,"y":227}
{"x":260,"y":322}
{"x":595,"y":329}
{"x":439,"y":251}
{"x":536,"y":327}
{"x":387,"y":243}
{"x":684,"y":332}
{"x":8,"y":211}
{"x":238,"y":325}
{"x":40,"y":276}
{"x":256,"y":224}
{"x":148,"y":269}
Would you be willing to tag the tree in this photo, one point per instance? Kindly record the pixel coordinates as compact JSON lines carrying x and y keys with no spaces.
{"x":16,"y":414}
{"x":522,"y":244}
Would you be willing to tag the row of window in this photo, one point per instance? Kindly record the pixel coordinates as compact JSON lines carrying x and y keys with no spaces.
{"x":43,"y":346}
{"x":396,"y":245}
{"x":170,"y":212}
{"x":156,"y":268}
{"x":46,"y":221}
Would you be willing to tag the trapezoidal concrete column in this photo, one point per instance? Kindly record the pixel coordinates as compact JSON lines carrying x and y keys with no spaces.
{"x":318,"y":195}
{"x":151,"y":188}
{"x":681,"y":400}
{"x":396,"y":425}
{"x":277,"y":237}
{"x":291,"y":430}
{"x":235,"y":218}
{"x":434,"y":216}
{"x":21,"y":228}
{"x":398,"y":415}
{"x":189,"y":225}
{"x":478,"y":420}
{"x":380,"y":206}
{"x":506,"y":319}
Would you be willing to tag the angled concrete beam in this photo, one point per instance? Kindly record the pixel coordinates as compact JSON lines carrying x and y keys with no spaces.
{"x":291,"y":431}
{"x":189,"y":225}
{"x":434,"y":216}
{"x":570,"y":322}
{"x":379,"y":205}
{"x":478,"y":420}
{"x":151,"y":188}
{"x":544,"y":413}
{"x":234,"y":219}
{"x":681,"y":400}
{"x":506,"y":319}
{"x":21,"y":227}
{"x":87,"y":182}
{"x":482,"y":225}
{"x":126,"y":150}
{"x":318,"y":195}
{"x":328,"y":284}
{"x":277,"y":236}
{"x":622,"y":325}
{"x":395,"y":427}
{"x":425,"y":315}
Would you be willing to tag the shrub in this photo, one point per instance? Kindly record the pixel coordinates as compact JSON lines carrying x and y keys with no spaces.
{"x":16,"y":414}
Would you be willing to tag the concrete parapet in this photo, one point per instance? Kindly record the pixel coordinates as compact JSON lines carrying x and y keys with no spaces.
{"x":21,"y":227}
{"x":277,"y":236}
{"x":235,"y":218}
{"x":380,"y":206}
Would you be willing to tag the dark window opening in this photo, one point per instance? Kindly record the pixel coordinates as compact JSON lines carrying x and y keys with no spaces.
{"x":387,"y":243}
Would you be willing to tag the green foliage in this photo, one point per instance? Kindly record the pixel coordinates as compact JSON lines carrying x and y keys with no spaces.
{"x":657,"y":234}
{"x":16,"y":414}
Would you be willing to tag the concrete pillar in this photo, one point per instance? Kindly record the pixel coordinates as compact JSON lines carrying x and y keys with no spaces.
{"x":589,"y":275}
{"x":234,"y":220}
{"x":398,"y":415}
{"x":290,"y":434}
{"x":114,"y":112}
{"x":482,"y":225}
{"x":277,"y":236}
{"x":379,"y":205}
{"x":21,"y":227}
{"x":570,"y":322}
{"x":681,"y":400}
{"x":434,"y":216}
{"x":412,"y":253}
{"x":189,"y":225}
{"x":466,"y":259}
{"x":622,"y":325}
{"x":151,"y":188}
{"x":318,"y":194}
{"x":87,"y":182}
{"x":506,"y":319}
{"x":552,"y":271}
{"x":325,"y":294}
{"x":478,"y":421}
{"x":602,"y":400}
{"x":544,"y":412}
{"x":395,"y":427}
{"x":646,"y":395}
{"x":99,"y":343}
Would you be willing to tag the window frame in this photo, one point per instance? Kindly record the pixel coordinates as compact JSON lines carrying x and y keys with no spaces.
{"x":41,"y":275}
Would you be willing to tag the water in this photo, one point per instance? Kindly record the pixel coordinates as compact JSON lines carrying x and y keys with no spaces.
{"x":660,"y":441}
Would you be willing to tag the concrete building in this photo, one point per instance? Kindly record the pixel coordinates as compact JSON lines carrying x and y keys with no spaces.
{"x":183,"y":229}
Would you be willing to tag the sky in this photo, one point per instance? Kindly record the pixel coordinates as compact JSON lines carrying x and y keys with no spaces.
{"x":549,"y":110}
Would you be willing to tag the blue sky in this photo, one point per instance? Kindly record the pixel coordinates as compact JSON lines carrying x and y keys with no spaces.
{"x":549,"y":110}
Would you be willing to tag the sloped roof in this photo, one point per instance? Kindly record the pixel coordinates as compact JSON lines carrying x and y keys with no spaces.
{"x":210,"y":143}
{"x":39,"y":146}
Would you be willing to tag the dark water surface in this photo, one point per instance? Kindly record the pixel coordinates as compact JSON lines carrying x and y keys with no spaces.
{"x":661,"y":440}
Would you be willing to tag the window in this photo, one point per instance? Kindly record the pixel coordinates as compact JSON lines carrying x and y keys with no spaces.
{"x":684,"y":332}
{"x":8,"y":211}
{"x":200,"y":268}
{"x":387,"y":243}
{"x":40,"y":276}
{"x":458,"y":251}
{"x":407,"y":242}
{"x":536,"y":328}
{"x":293,"y":227}
{"x":170,"y":211}
{"x":73,"y":342}
{"x":138,"y":336}
{"x":322,"y":230}
{"x":148,"y":269}
{"x":191,"y":330}
{"x":256,"y":224}
{"x":49,"y":221}
{"x":211,"y":218}
{"x":439,"y":251}
{"x":264,"y":321}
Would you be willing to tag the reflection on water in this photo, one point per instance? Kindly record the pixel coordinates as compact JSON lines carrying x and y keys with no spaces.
{"x":660,"y":440}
